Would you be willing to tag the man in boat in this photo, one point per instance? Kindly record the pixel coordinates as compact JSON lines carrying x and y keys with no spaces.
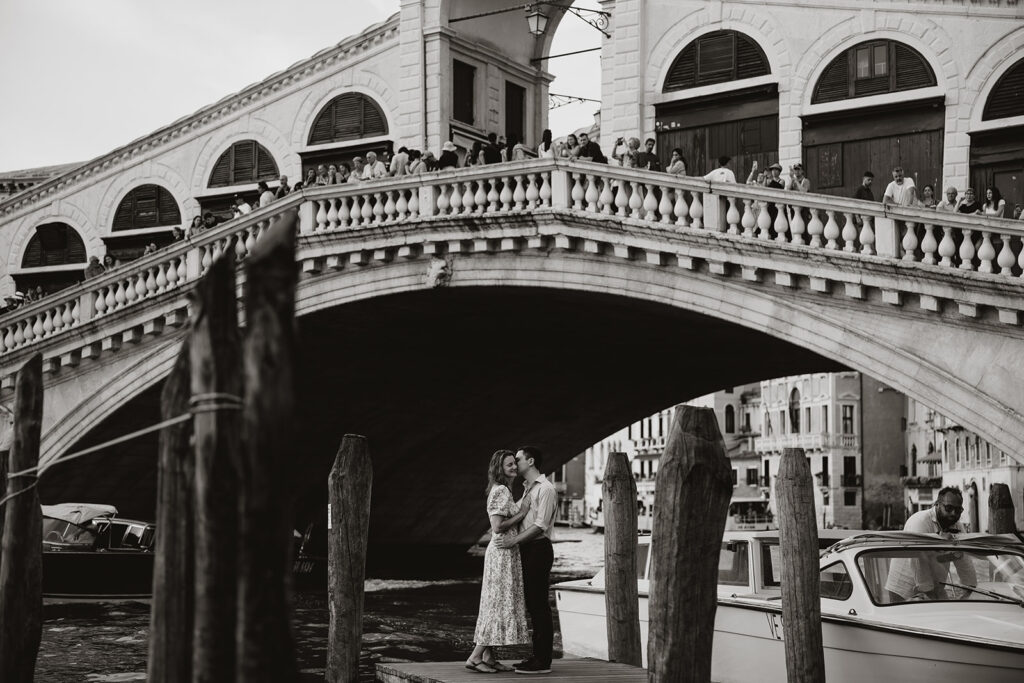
{"x":534,"y":541}
{"x":921,"y":578}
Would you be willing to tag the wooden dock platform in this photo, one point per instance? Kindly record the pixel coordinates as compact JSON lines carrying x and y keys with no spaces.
{"x":562,"y":671}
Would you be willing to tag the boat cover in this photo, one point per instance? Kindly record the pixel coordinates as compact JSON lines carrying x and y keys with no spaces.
{"x":78,"y":513}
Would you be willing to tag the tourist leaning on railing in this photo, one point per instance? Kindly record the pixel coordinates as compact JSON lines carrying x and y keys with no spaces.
{"x":950,"y":203}
{"x":994,"y":205}
{"x":928,"y":197}
{"x":968,"y":204}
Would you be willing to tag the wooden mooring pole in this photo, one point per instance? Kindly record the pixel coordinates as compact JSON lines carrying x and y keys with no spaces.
{"x":21,"y":564}
{"x":349,"y":486}
{"x":172,"y":613}
{"x":216,"y":381}
{"x":798,"y":545}
{"x":694,"y":485}
{"x":1001,"y":515}
{"x":266,"y":642}
{"x":622,"y":603}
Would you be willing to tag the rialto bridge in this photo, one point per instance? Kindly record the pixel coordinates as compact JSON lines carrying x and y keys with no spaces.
{"x":449,"y":314}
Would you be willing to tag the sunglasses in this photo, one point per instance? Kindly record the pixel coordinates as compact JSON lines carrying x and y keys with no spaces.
{"x":953,"y":508}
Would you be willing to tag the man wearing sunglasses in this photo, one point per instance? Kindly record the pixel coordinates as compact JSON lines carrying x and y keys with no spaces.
{"x":922,"y":578}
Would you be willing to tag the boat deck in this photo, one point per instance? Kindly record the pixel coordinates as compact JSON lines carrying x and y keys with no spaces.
{"x":562,"y":671}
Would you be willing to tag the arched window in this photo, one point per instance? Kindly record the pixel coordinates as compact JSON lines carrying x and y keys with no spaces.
{"x":717,"y":57}
{"x":147,"y":206}
{"x":874,"y":67}
{"x":730,"y":420}
{"x":1006,"y":97}
{"x":351,"y":116}
{"x":244,"y":162}
{"x":794,"y":410}
{"x":54,"y":244}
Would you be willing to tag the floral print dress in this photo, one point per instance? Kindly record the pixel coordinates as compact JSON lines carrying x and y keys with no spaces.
{"x":502,"y":616}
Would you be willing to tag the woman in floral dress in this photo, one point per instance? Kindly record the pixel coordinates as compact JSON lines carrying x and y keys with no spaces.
{"x":502,"y":616}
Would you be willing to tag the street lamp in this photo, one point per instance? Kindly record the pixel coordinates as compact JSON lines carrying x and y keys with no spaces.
{"x":536,"y":20}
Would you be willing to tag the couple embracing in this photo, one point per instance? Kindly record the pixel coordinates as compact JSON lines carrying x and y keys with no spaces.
{"x":517,"y":565}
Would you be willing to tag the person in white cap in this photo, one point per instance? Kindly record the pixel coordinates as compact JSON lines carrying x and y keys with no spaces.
{"x":449,"y":156}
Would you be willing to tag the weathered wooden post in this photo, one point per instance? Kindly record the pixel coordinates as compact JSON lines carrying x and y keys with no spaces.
{"x":349,"y":486}
{"x":216,"y":384}
{"x":621,"y":600}
{"x":1001,"y":519}
{"x":266,"y":643}
{"x":172,"y":613}
{"x":798,"y":545}
{"x":21,"y":565}
{"x":692,"y":492}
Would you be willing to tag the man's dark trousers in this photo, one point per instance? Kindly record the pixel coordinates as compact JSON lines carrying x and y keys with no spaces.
{"x":538,"y":557}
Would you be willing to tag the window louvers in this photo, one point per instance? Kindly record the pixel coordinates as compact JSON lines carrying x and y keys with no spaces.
{"x":1006,"y":97}
{"x":54,"y":244}
{"x":834,"y":83}
{"x":717,"y":57}
{"x":911,"y":69}
{"x":243,"y":163}
{"x":350,"y":116}
{"x":908,"y":71}
{"x":147,"y":206}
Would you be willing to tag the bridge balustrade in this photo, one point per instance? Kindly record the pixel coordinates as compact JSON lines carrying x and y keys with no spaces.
{"x":981,"y":247}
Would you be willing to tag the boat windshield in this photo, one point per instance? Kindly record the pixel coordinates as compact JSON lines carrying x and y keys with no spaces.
{"x":60,"y":531}
{"x":928,"y":574}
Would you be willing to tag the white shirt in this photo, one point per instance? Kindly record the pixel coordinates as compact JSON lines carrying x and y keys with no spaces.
{"x":721,"y":175}
{"x":266,"y":198}
{"x":543,"y":505}
{"x":377,"y":170}
{"x":901,"y":195}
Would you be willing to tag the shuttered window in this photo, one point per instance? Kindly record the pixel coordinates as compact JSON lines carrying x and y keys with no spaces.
{"x":873,"y":68}
{"x":54,"y":244}
{"x":717,"y":57}
{"x":243,"y":163}
{"x":148,"y":206}
{"x":1007,"y":97}
{"x":351,"y":116}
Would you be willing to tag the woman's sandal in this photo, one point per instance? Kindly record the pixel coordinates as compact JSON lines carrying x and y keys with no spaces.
{"x":480,"y":667}
{"x":497,"y":666}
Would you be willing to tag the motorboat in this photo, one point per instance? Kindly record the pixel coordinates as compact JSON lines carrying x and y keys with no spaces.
{"x":91,"y":552}
{"x":876,"y":623}
{"x":749,"y":510}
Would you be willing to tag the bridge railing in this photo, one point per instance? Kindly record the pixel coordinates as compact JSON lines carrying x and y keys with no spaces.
{"x":632,"y":197}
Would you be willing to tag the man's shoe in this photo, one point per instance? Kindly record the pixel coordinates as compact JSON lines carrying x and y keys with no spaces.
{"x":523,"y":663}
{"x":533,"y":668}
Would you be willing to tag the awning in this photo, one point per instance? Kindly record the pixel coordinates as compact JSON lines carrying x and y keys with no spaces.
{"x":78,"y":513}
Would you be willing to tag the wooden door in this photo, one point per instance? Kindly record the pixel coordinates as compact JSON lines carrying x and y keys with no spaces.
{"x":838,"y":168}
{"x":744,"y":140}
{"x":1011,"y":185}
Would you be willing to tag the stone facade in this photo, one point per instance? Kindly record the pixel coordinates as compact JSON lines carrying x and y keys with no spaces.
{"x":968,"y":45}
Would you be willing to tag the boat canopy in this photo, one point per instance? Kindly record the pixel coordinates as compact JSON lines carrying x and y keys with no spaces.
{"x":78,"y":513}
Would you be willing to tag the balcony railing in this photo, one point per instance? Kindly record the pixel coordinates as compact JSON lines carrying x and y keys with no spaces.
{"x":818,"y":441}
{"x":849,"y":480}
{"x":813,"y":223}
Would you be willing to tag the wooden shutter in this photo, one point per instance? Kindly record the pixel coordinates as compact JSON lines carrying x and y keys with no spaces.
{"x":147,"y":206}
{"x":834,"y":83}
{"x":221,"y":175}
{"x":266,"y":167}
{"x":54,"y":244}
{"x":717,"y":57}
{"x":683,"y":73}
{"x":349,"y":116}
{"x":750,"y":59}
{"x":1007,"y":96}
{"x":907,"y":70}
{"x":243,"y":163}
{"x":912,"y":71}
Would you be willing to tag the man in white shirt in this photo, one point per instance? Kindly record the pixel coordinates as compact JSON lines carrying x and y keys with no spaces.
{"x":901,"y":191}
{"x":949,"y":203}
{"x":242,"y":207}
{"x":534,"y":541}
{"x":400,"y":162}
{"x":374,"y":168}
{"x":722,"y":174}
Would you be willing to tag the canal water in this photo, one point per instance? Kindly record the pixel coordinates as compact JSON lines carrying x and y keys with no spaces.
{"x":406,"y":619}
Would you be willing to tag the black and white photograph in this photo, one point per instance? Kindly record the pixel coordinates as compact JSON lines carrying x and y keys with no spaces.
{"x":436,"y":341}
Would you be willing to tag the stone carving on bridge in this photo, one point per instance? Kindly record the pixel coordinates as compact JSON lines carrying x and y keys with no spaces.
{"x":439,"y":272}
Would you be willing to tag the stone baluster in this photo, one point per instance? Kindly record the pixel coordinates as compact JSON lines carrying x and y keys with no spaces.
{"x":70,"y":315}
{"x":849,"y":233}
{"x":332,"y":215}
{"x":621,"y":197}
{"x":100,"y":305}
{"x":697,"y":211}
{"x":867,"y":236}
{"x":131,"y":292}
{"x":151,"y":286}
{"x":748,"y":221}
{"x":506,"y":195}
{"x":378,"y":208}
{"x":967,"y":251}
{"x":172,"y":267}
{"x":344,"y":217}
{"x":947,"y":247}
{"x":390,"y":206}
{"x":519,"y":194}
{"x":321,"y":214}
{"x":545,"y":191}
{"x":493,"y":196}
{"x":831,"y":232}
{"x":414,"y":203}
{"x":665,"y":205}
{"x":815,"y":229}
{"x":455,"y":199}
{"x":782,"y":224}
{"x":9,"y":338}
{"x":636,"y":199}
{"x":910,"y":242}
{"x":592,"y":194}
{"x":532,"y":191}
{"x":607,"y":197}
{"x":681,"y":209}
{"x":366,"y":210}
{"x":764,"y":223}
{"x":47,"y":326}
{"x":402,"y":206}
{"x":480,"y":199}
{"x":578,"y":193}
{"x":468,"y":198}
{"x":797,"y":227}
{"x":119,"y":295}
{"x":30,"y":333}
{"x":1020,"y":262}
{"x":356,"y":213}
{"x":19,"y":334}
{"x":986,"y":252}
{"x":1005,"y":260}
{"x":650,"y":204}
{"x":161,"y":278}
{"x":732,"y":217}
{"x":929,"y":245}
{"x":37,"y":325}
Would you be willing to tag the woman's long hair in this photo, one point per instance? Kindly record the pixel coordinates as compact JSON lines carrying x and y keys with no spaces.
{"x":495,"y":473}
{"x":997,"y":197}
